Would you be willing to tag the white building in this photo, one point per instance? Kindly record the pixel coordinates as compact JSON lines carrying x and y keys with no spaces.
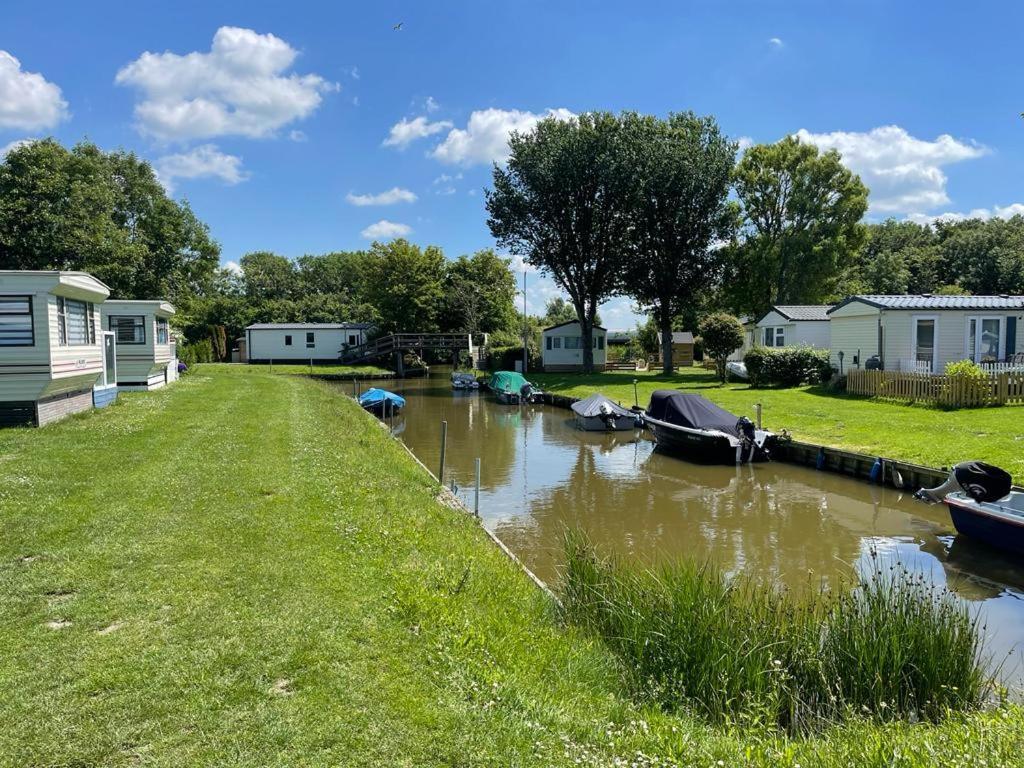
{"x":794,"y":325}
{"x":562,"y":347}
{"x":925,"y":332}
{"x":51,"y":344}
{"x":146,"y":356}
{"x":302,"y":342}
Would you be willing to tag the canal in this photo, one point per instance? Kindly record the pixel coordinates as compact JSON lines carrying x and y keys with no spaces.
{"x":797,"y":526}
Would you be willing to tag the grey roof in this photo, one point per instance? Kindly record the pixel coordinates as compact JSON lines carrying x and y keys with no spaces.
{"x":572,"y":322}
{"x":931,"y":301}
{"x":682,"y":337}
{"x":803,"y":311}
{"x":308,"y":326}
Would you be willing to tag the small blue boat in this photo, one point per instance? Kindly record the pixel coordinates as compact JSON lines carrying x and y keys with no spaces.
{"x":381,"y":402}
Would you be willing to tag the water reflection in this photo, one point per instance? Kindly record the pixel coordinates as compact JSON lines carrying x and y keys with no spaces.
{"x":803,"y":528}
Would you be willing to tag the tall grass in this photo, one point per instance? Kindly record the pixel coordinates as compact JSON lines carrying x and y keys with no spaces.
{"x":735,"y":650}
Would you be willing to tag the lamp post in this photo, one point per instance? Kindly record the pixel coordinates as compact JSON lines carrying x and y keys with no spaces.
{"x":636,"y":400}
{"x":525,"y":330}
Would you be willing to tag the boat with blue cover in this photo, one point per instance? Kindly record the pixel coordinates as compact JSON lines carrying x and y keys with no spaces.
{"x":381,"y":402}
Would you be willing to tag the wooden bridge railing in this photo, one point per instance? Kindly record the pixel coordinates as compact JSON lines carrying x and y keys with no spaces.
{"x":408,"y":342}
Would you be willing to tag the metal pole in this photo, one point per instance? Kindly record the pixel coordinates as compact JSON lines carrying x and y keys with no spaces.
{"x":757,"y":409}
{"x":476,"y":495}
{"x":524,"y":322}
{"x":271,"y":365}
{"x":444,"y":441}
{"x":353,"y":386}
{"x":311,"y":365}
{"x":636,"y":400}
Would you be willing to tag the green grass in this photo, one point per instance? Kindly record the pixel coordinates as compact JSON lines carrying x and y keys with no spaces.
{"x":918,"y":434}
{"x":319,"y":369}
{"x":244,"y":569}
{"x":733,"y":649}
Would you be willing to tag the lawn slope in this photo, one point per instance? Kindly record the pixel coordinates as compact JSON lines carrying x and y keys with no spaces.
{"x":243,"y":569}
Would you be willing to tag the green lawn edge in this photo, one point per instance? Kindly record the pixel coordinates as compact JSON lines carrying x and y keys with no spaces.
{"x":254,"y":572}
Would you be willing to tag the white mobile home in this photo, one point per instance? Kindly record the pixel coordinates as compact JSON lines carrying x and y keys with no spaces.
{"x":794,"y":325}
{"x":302,"y":342}
{"x":562,"y":347}
{"x":924,"y":332}
{"x":51,"y":344}
{"x":145,"y":349}
{"x":749,"y":339}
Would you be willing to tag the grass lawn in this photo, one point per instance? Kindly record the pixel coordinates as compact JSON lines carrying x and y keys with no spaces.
{"x":319,"y":369}
{"x":911,"y":433}
{"x":244,"y":569}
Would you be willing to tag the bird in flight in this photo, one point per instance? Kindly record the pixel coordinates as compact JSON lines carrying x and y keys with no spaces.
{"x":398,"y":26}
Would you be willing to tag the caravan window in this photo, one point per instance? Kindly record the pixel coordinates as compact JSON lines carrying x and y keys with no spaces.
{"x":288,"y":340}
{"x":573,"y":342}
{"x":161,"y":330}
{"x":76,"y":322}
{"x":16,"y":321}
{"x":310,"y":340}
{"x":774,"y":337}
{"x":129,"y":329}
{"x":925,"y":331}
{"x":984,"y":341}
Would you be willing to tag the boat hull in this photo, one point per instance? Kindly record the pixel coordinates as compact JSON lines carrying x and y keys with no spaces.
{"x":703,"y":447}
{"x":597,"y":424}
{"x":997,"y":531}
{"x":383,"y":408}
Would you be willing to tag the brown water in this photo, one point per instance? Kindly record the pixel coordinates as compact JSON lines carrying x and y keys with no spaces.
{"x":540,"y":475}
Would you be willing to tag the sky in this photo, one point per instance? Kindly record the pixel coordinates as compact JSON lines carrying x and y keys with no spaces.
{"x":310,"y":127}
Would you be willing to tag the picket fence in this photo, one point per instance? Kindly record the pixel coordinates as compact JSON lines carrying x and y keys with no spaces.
{"x":940,"y":389}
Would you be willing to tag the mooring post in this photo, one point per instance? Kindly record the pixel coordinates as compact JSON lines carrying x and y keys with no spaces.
{"x":271,"y":365}
{"x":757,"y":410}
{"x":476,"y":494}
{"x":354,"y":387}
{"x":311,"y":365}
{"x":444,"y":441}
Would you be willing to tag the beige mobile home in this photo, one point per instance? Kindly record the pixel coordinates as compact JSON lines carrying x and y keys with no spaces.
{"x":145,"y":349}
{"x":319,"y":342}
{"x":562,"y":347}
{"x":51,"y":345}
{"x":924,"y":333}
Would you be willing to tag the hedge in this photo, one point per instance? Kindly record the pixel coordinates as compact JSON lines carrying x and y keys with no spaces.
{"x":787,"y":366}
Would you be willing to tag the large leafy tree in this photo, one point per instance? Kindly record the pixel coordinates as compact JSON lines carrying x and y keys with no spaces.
{"x":405,"y":285}
{"x":983,"y":257}
{"x":103,"y":213}
{"x":480,"y":293}
{"x":801,"y":225}
{"x":681,"y":170}
{"x":562,"y":204}
{"x":268,"y":276}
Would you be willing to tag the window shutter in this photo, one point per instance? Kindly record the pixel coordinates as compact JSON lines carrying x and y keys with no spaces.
{"x":1011,"y":336}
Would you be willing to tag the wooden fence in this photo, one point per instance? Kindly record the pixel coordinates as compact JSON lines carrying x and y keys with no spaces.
{"x":940,"y":389}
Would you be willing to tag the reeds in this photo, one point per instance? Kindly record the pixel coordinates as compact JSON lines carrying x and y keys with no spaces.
{"x":735,"y":650}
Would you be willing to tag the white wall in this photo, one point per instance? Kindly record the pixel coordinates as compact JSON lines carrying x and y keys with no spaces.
{"x":952,"y":335}
{"x":563,"y":357}
{"x":269,"y":344}
{"x":810,"y":333}
{"x":853,"y":330}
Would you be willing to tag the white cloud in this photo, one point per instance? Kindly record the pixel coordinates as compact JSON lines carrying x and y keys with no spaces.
{"x":904,"y":173}
{"x":205,"y":161}
{"x":11,"y":146}
{"x":238,"y":88}
{"x":389,"y":197}
{"x":233,"y":267}
{"x":297,"y":136}
{"x":28,"y":101}
{"x":406,"y":131}
{"x":744,"y":143}
{"x":996,"y":212}
{"x":385,"y":230}
{"x":431,"y":104}
{"x":775,"y":42}
{"x":485,"y":137}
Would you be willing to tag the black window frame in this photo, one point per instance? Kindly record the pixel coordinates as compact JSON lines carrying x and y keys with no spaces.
{"x":310,"y":339}
{"x":31,"y":319}
{"x":287,"y":339}
{"x":117,"y":333}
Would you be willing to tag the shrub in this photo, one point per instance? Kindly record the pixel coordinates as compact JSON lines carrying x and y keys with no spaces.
{"x":721,"y":335}
{"x":505,"y":358}
{"x":966,"y":384}
{"x":787,"y":366}
{"x":732,"y":649}
{"x":197,"y":352}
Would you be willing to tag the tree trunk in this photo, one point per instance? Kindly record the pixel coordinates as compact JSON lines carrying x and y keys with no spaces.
{"x":667,"y":363}
{"x":587,"y":339}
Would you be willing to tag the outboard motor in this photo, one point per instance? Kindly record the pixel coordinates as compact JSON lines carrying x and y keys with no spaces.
{"x":526,"y":392}
{"x":607,"y":415}
{"x":745,"y":429}
{"x":980,"y":481}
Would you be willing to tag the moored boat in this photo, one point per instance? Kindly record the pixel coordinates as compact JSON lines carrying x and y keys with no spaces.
{"x":511,"y":388}
{"x":381,"y":402}
{"x":464,"y":380}
{"x":693,"y":427}
{"x":599,"y":414}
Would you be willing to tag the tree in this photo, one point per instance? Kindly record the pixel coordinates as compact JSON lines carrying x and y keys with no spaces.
{"x":801,"y":225}
{"x":404,"y":284}
{"x":480,"y":294}
{"x":562,"y":204}
{"x":984,"y":257}
{"x":721,"y":334}
{"x":896,"y":257}
{"x":681,"y":168}
{"x":103,"y":213}
{"x":558,"y":311}
{"x":268,"y":276}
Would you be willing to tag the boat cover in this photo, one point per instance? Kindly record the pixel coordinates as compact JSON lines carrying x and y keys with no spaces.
{"x":983,"y":482}
{"x":591,"y":406}
{"x":374,"y":396}
{"x":507,"y":381}
{"x":687,"y":410}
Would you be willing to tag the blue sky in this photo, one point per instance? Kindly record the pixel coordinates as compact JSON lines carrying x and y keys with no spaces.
{"x":307,"y":127}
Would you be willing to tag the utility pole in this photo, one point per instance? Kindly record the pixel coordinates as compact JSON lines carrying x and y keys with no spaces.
{"x":525,"y":329}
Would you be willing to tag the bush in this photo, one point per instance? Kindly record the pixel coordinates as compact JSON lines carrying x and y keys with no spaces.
{"x":721,"y":334}
{"x":733,"y":649}
{"x":197,"y":352}
{"x":787,"y":366}
{"x":967,"y":384}
{"x":505,"y":358}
